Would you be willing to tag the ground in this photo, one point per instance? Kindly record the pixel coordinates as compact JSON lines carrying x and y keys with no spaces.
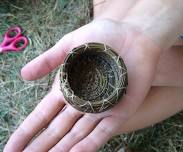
{"x":44,"y":23}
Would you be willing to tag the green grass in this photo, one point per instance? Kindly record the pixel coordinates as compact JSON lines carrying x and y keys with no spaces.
{"x":44,"y":23}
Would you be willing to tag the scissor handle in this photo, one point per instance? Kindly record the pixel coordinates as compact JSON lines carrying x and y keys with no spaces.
{"x":16,"y":45}
{"x":10,"y":35}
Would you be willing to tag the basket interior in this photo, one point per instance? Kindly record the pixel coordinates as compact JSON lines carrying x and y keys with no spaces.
{"x":92,"y":74}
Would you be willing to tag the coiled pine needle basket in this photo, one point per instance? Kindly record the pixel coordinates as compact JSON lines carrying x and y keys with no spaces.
{"x":93,"y":78}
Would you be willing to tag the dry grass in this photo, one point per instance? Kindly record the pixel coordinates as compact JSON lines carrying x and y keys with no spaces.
{"x":45,"y":23}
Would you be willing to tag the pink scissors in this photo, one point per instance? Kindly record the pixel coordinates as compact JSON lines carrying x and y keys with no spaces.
{"x":13,"y":40}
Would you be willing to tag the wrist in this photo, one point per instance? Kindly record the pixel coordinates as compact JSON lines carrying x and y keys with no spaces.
{"x":159,"y":19}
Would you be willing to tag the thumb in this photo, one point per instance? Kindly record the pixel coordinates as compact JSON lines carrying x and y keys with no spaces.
{"x":46,"y":62}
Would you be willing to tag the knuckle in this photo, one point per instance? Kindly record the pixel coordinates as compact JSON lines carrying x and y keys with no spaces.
{"x":48,"y":63}
{"x":41,"y":116}
{"x":58,"y":97}
{"x":78,"y":149}
{"x":72,"y":112}
{"x":29,"y":149}
{"x":92,"y":118}
{"x":65,"y":42}
{"x":76,"y":134}
{"x":57,"y":149}
{"x":53,"y":132}
{"x":106,"y":130}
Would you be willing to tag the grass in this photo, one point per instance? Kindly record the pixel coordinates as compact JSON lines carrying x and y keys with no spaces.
{"x":44,"y":23}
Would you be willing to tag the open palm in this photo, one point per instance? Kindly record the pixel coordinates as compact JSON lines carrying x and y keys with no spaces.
{"x":63,"y":127}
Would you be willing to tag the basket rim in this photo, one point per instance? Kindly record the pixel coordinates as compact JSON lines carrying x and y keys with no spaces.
{"x":66,"y":88}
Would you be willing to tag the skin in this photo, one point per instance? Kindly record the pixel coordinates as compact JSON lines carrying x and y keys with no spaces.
{"x":118,"y":10}
{"x":112,"y":9}
{"x":63,"y":124}
{"x":152,"y":110}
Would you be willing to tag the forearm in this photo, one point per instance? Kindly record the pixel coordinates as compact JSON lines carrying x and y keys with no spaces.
{"x":160,"y":103}
{"x":161,"y":20}
{"x":169,"y":69}
{"x":112,"y":9}
{"x":118,"y":9}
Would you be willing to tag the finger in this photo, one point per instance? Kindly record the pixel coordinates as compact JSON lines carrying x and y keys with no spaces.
{"x":36,"y":121}
{"x":100,"y":135}
{"x":55,"y":131}
{"x":80,"y":130}
{"x":150,"y":112}
{"x":48,"y":61}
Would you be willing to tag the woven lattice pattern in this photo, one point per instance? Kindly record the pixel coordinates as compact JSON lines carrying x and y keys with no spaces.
{"x":93,"y":78}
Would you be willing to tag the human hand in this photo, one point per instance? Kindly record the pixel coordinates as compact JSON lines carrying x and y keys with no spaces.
{"x":71,"y":129}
